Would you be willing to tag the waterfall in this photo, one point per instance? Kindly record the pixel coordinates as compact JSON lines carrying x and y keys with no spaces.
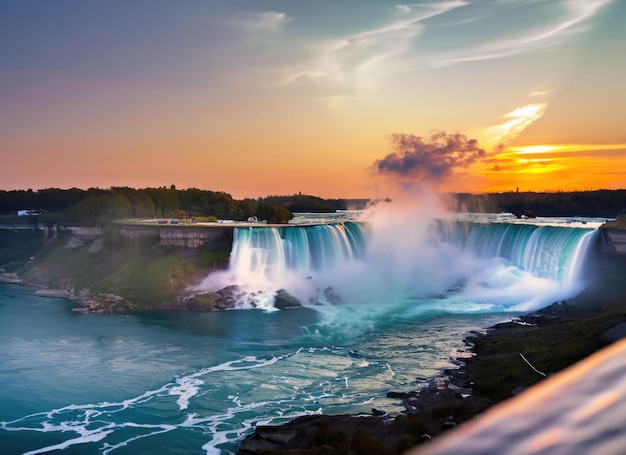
{"x":508,"y":263}
{"x":552,"y":252}
{"x":273,"y":252}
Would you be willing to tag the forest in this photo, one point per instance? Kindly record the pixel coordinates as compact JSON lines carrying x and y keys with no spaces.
{"x":600,"y":203}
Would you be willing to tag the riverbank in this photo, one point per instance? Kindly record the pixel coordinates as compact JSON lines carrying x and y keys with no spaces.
{"x":508,"y":358}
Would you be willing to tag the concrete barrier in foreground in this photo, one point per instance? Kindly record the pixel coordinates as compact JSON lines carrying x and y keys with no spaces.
{"x":581,"y":410}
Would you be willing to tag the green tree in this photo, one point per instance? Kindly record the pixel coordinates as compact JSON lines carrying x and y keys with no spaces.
{"x":273,"y":214}
{"x":98,"y":208}
{"x":165,"y":200}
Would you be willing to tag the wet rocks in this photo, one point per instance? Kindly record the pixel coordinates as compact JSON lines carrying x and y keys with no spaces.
{"x":10,"y":277}
{"x":283,"y":300}
{"x":359,"y":433}
{"x":332,"y":296}
{"x":380,"y":413}
{"x":226,"y":298}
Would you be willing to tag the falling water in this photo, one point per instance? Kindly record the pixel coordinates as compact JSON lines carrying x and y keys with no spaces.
{"x":361,"y":260}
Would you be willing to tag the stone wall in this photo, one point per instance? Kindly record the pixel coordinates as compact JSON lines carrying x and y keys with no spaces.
{"x":216,"y":238}
{"x":86,"y":233}
{"x":193,"y":237}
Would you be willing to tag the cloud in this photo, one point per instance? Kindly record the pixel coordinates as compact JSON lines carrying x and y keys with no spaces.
{"x":360,"y":57}
{"x":433,"y":158}
{"x":270,"y":21}
{"x":408,"y":38}
{"x":520,"y":119}
{"x":539,"y":93}
{"x":575,"y":13}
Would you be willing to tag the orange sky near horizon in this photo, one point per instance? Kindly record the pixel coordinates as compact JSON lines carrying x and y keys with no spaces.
{"x":256,"y":98}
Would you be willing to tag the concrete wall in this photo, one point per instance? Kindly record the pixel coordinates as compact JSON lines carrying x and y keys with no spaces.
{"x":217,"y":238}
{"x":86,"y":233}
{"x":193,"y":237}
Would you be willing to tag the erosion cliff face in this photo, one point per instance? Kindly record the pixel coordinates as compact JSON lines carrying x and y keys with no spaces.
{"x":613,"y":240}
{"x":144,"y":268}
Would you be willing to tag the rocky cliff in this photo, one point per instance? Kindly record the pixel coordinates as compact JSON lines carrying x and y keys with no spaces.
{"x":613,"y":241}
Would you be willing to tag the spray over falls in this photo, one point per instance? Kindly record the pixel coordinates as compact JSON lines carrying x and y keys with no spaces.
{"x":464,"y":266}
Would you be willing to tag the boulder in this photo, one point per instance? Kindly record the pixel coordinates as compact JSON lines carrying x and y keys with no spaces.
{"x":332,"y":296}
{"x":283,"y":300}
{"x":317,"y":433}
{"x":226,"y":298}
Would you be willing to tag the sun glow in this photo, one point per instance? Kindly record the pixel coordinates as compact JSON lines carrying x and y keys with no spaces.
{"x":560,"y":148}
{"x":534,"y":149}
{"x":555,"y":167}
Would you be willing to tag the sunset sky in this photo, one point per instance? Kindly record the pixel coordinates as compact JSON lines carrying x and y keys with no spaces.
{"x":260,"y":97}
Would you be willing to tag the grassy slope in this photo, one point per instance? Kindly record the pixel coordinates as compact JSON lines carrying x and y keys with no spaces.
{"x":18,"y":246}
{"x":148,"y":275}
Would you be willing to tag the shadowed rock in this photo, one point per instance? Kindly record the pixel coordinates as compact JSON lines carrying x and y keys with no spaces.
{"x":284,"y":300}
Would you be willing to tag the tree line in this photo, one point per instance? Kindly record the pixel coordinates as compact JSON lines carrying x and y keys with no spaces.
{"x":97,"y":206}
{"x":600,"y":203}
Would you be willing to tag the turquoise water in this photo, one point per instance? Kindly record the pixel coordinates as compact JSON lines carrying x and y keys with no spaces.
{"x":198,"y":383}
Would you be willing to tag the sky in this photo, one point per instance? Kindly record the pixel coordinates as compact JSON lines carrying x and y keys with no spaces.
{"x":338,"y":98}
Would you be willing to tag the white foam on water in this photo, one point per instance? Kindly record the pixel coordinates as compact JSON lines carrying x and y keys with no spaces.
{"x":108,"y":448}
{"x":81,"y":418}
{"x":187,"y":387}
{"x":89,"y":437}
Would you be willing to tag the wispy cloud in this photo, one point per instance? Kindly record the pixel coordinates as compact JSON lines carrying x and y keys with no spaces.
{"x":575,"y":13}
{"x":270,"y":21}
{"x":519,"y":119}
{"x":410,"y":38}
{"x":356,"y":57}
{"x":539,"y":93}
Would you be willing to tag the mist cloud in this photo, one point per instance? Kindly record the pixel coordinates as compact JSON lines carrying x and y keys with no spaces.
{"x":435,"y":157}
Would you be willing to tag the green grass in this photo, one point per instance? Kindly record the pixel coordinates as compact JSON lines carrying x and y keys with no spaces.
{"x":18,"y":246}
{"x":551,"y":346}
{"x":147,"y":275}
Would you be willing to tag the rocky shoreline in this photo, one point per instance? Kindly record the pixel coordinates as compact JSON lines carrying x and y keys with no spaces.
{"x":88,"y":302}
{"x":508,"y":358}
{"x":109,"y":303}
